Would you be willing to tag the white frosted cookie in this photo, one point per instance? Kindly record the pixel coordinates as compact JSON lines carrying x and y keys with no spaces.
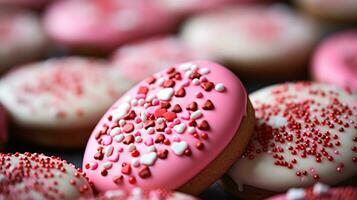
{"x":305,"y":132}
{"x":57,"y":102}
{"x":36,"y":176}
{"x":21,"y":37}
{"x":267,"y":40}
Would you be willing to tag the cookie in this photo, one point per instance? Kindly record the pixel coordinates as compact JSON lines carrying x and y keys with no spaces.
{"x":305,"y":132}
{"x":335,"y":60}
{"x":181,"y":128}
{"x":56,"y":103}
{"x":36,"y":176}
{"x":276,"y":47}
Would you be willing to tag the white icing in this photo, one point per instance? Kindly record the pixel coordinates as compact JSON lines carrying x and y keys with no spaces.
{"x":180,"y":128}
{"x":148,"y":159}
{"x":165,"y":94}
{"x":179,"y":147}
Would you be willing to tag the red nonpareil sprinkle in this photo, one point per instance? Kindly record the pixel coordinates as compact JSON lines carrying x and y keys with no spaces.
{"x":301,"y":126}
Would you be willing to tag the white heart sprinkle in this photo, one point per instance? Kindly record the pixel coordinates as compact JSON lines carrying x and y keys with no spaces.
{"x":179,"y":147}
{"x":180,"y":128}
{"x":131,"y":147}
{"x":107,"y":165}
{"x":119,"y":138}
{"x":219,"y":87}
{"x":115,"y":131}
{"x":197,"y":114}
{"x":191,"y":129}
{"x":204,"y":71}
{"x":152,"y":148}
{"x":165,"y":94}
{"x":148,"y":159}
{"x":121,"y":111}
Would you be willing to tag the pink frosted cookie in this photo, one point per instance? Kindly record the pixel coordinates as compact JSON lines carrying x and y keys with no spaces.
{"x":58,"y":102}
{"x":181,"y":128}
{"x":335,"y":61}
{"x":318,"y":192}
{"x":137,"y":193}
{"x":36,"y":176}
{"x":341,"y":10}
{"x":305,"y":132}
{"x":104,"y":24}
{"x":274,"y":47}
{"x":3,"y":128}
{"x":140,"y":60}
{"x":21,"y":37}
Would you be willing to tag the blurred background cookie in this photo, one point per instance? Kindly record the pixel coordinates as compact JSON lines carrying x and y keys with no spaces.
{"x":101,"y":25}
{"x":22,"y":38}
{"x":276,"y":47}
{"x":335,"y":60}
{"x":56,"y":103}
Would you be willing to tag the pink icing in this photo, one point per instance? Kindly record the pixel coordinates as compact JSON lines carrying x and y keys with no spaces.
{"x":140,"y":60}
{"x":3,"y":126}
{"x":105,"y":23}
{"x":188,"y":149}
{"x":336,"y":60}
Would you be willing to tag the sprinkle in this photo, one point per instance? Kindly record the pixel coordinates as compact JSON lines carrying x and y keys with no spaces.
{"x":219,"y":87}
{"x":119,"y":138}
{"x":179,"y":147}
{"x":165,"y":94}
{"x":148,"y":159}
{"x":115,"y":131}
{"x":107,"y":165}
{"x":196,"y":115}
{"x":180,"y":128}
{"x":204,"y":71}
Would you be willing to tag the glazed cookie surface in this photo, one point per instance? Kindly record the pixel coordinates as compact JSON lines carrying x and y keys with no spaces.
{"x":36,"y":176}
{"x":165,"y":131}
{"x":68,"y":94}
{"x":140,"y":60}
{"x":104,"y":24}
{"x":21,"y":37}
{"x":305,"y":132}
{"x":318,"y":192}
{"x":335,"y":61}
{"x":137,"y":193}
{"x":238,"y":36}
